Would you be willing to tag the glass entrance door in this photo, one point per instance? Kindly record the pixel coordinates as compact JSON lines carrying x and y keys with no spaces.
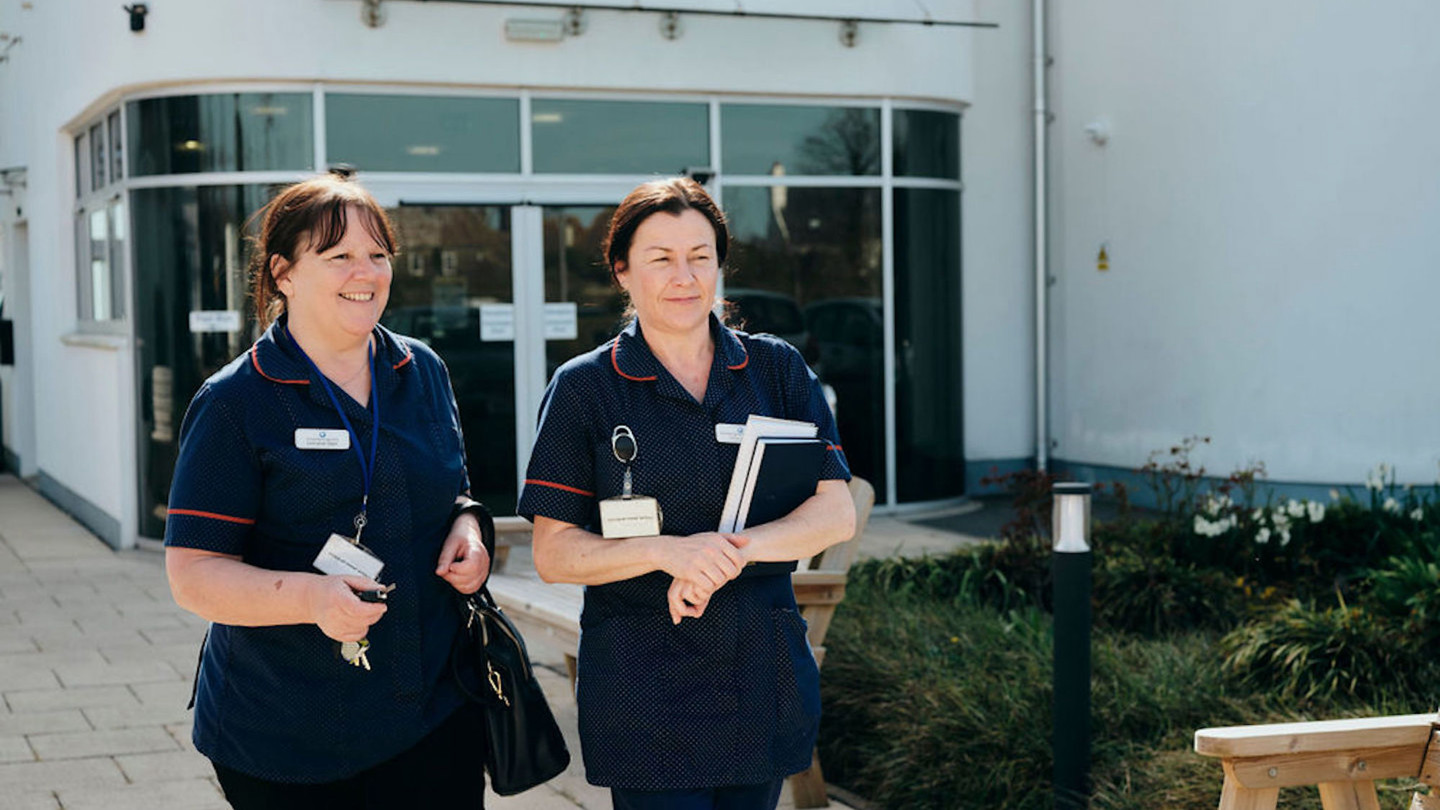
{"x":583,"y":308}
{"x":454,"y":290}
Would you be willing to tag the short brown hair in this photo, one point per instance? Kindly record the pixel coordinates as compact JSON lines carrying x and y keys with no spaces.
{"x":309,"y":214}
{"x":672,"y":196}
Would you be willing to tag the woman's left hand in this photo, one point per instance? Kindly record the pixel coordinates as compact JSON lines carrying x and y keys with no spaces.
{"x":687,"y":599}
{"x":464,"y":563}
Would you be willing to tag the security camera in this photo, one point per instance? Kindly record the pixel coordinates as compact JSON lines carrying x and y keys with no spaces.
{"x":700,"y":174}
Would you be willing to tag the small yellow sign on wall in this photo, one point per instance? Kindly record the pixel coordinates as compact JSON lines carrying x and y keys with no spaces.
{"x":1102,"y":262}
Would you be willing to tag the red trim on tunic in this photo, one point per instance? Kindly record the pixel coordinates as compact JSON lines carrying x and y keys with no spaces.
{"x":616,"y":364}
{"x":409,"y":355}
{"x":212,"y":515}
{"x":835,"y":447}
{"x":538,"y":482}
{"x":255,"y":361}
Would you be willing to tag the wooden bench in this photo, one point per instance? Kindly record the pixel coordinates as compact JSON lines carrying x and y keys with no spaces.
{"x":1342,"y":758}
{"x":552,"y":611}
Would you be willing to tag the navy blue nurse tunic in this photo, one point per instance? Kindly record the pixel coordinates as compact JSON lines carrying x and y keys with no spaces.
{"x":730,"y":698}
{"x":277,"y":702}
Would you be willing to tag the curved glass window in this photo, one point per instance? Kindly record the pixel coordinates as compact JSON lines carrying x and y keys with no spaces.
{"x":928,"y":388}
{"x":190,"y":255}
{"x":390,"y":133}
{"x":927,"y":144}
{"x":806,"y":267}
{"x":234,"y":132}
{"x":781,"y":139}
{"x":618,"y":137}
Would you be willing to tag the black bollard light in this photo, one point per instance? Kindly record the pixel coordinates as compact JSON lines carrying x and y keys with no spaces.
{"x":1070,"y":568}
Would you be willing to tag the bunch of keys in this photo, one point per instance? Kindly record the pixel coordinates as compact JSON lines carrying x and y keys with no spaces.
{"x":354,"y":651}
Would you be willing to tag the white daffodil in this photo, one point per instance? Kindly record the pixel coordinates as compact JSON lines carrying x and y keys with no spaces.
{"x":1391,"y":505}
{"x":1316,"y":510}
{"x":1417,"y":514}
{"x":1295,"y":508}
{"x":1263,"y":536}
{"x":1284,"y":537}
{"x":1334,"y":494}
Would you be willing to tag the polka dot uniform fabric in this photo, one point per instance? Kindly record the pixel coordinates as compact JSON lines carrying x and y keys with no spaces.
{"x":729,"y":698}
{"x":278,"y":703}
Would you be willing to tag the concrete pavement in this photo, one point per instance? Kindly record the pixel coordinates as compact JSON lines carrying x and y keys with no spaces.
{"x":96,"y":663}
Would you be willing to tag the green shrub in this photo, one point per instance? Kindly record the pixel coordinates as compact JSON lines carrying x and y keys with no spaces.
{"x":1157,"y":594}
{"x":927,"y":699}
{"x":1305,"y":654}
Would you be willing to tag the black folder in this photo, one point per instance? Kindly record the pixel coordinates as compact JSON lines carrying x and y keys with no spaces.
{"x":783,"y":473}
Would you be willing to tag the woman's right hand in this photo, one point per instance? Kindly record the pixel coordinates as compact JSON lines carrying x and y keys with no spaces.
{"x":710,"y":558}
{"x":338,"y":611}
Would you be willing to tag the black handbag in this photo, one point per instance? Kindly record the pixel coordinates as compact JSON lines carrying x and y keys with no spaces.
{"x":526,"y":746}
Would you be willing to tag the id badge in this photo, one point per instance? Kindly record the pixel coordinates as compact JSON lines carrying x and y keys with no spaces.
{"x":636,"y":516}
{"x":341,"y":555}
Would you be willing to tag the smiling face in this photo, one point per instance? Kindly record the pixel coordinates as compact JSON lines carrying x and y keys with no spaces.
{"x":337,"y":295}
{"x":670,"y":272}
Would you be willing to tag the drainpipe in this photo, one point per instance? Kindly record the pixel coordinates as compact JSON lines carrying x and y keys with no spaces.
{"x":1042,"y":436}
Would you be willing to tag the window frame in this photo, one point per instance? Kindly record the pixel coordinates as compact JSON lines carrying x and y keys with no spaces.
{"x":99,"y":192}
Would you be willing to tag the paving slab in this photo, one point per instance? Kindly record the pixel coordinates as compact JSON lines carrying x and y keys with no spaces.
{"x":15,"y":749}
{"x":42,"y":722}
{"x":108,"y":743}
{"x":191,"y":794}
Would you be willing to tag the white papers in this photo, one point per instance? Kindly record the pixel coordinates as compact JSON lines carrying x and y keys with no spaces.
{"x":755,"y":427}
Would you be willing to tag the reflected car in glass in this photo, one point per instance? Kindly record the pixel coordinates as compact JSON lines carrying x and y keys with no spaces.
{"x":764,"y":311}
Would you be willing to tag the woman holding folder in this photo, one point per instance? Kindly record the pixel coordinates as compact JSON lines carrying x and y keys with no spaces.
{"x":697,"y":687}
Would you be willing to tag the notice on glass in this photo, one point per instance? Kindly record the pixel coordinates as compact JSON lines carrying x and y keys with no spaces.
{"x":497,"y":322}
{"x":561,"y":321}
{"x":214,"y":320}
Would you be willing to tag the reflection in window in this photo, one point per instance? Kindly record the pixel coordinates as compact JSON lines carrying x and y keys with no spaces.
{"x":117,"y":154}
{"x":927,"y":144}
{"x":575,"y":272}
{"x":115,"y":215}
{"x":781,"y":140}
{"x":455,"y":268}
{"x":391,"y":133}
{"x":928,"y":388}
{"x":618,"y":137}
{"x":100,"y":295}
{"x":806,"y":265}
{"x":219,"y":133}
{"x":97,"y":156}
{"x":190,"y":254}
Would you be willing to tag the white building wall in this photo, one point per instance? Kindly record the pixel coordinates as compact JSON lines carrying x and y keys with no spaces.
{"x":1269,"y":196}
{"x":998,"y":242}
{"x":78,"y":57}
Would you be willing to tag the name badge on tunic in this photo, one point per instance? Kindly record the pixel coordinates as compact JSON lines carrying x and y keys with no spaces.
{"x":322,"y":439}
{"x":628,"y":515}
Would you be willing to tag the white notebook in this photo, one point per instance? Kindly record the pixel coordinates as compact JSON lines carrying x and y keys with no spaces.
{"x":755,"y":427}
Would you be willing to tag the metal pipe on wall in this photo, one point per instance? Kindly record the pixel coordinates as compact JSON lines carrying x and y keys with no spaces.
{"x":1042,"y":410}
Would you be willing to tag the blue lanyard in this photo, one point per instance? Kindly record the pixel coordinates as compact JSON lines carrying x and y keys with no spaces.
{"x":367,"y":470}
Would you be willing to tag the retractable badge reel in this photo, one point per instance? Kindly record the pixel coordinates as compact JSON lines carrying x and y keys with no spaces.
{"x":628,"y":515}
